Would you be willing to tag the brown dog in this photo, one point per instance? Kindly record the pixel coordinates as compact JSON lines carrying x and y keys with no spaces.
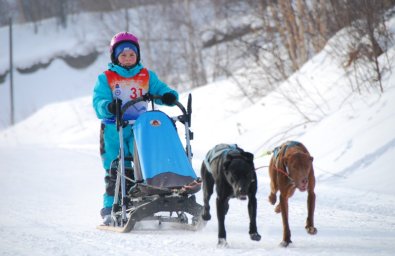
{"x":291,"y":167}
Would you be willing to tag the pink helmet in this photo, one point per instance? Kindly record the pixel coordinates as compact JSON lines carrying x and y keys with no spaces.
{"x":123,"y":37}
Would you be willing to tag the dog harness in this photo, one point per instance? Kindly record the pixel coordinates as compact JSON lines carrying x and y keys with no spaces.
{"x":219,"y":150}
{"x":281,"y":150}
{"x":284,"y":147}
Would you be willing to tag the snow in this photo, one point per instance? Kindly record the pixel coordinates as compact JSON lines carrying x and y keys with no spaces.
{"x":52,"y":180}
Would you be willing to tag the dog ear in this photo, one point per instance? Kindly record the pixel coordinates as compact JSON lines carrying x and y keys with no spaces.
{"x":249,"y":156}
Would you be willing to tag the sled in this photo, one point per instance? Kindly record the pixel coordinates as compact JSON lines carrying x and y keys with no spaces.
{"x":160,"y":183}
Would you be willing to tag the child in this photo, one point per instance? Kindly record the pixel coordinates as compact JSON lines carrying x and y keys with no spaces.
{"x":125,"y":79}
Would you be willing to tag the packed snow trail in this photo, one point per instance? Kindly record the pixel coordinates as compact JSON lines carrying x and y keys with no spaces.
{"x":51,"y":198}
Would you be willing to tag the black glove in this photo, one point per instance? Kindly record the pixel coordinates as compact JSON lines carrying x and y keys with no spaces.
{"x":169,"y":98}
{"x":112,"y":107}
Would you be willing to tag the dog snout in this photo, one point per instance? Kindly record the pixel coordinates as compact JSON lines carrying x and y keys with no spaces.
{"x":242,"y":197}
{"x":241,"y":193}
{"x":303,"y":184}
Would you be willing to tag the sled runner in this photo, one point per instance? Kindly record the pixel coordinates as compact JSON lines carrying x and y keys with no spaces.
{"x":161,"y":183}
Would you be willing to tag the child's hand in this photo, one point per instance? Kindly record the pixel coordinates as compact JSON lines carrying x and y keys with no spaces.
{"x":169,"y":98}
{"x":112,"y":107}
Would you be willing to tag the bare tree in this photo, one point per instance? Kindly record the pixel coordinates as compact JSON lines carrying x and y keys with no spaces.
{"x":185,"y":31}
{"x":367,"y":30}
{"x":258,"y":43}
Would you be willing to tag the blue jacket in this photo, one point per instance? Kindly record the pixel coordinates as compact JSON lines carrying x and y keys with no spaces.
{"x":103,"y":93}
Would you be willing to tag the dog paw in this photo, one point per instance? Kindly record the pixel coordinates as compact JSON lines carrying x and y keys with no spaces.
{"x":272,"y":198}
{"x":206,"y":216}
{"x":311,"y":230}
{"x":285,"y":243}
{"x":222,"y":243}
{"x":278,"y":209}
{"x":255,"y":237}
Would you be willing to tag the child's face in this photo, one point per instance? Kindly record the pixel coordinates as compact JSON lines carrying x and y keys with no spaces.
{"x":127,"y":58}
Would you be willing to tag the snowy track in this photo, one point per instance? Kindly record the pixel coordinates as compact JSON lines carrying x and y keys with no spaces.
{"x":51,"y":208}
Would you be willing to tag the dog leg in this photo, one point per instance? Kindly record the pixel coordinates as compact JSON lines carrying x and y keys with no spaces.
{"x":277,"y":209}
{"x":252,"y":206}
{"x":222,"y":243}
{"x":284,"y":213}
{"x":222,"y":208}
{"x":208,"y":187}
{"x":311,"y":207}
{"x":273,"y":185}
{"x":310,"y":216}
{"x":207,"y":192}
{"x":272,"y":198}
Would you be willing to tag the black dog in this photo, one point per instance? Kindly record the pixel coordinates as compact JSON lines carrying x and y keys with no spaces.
{"x":232,"y":170}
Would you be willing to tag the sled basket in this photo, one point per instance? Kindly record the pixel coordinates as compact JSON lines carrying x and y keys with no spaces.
{"x":160,"y":159}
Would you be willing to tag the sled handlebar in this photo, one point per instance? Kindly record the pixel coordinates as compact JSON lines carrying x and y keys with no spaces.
{"x":185,"y":117}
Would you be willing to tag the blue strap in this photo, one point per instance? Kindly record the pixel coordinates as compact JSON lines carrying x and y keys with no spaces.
{"x":221,"y":149}
{"x":284,"y":148}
